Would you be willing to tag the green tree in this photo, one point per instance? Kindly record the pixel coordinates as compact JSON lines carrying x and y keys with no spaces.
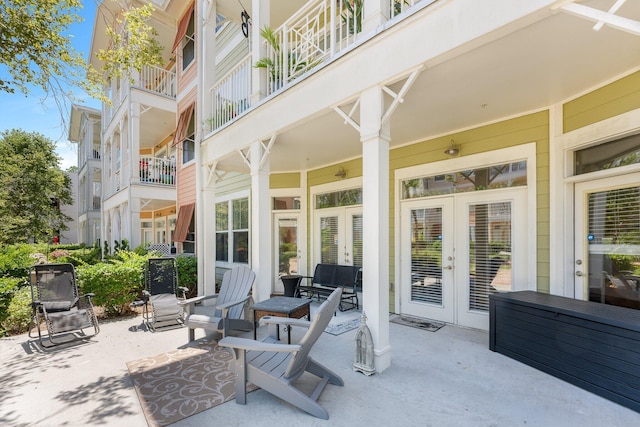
{"x":36,"y":49}
{"x":34,"y":45}
{"x":32,"y":187}
{"x":132,"y":45}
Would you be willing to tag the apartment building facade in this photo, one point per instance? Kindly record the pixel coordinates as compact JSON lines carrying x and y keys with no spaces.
{"x":84,"y":130}
{"x":138,"y":154}
{"x":451,"y":148}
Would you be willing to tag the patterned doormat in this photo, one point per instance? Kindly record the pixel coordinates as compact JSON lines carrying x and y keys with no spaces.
{"x":341,"y":328}
{"x":183,"y":382}
{"x":417,"y":322}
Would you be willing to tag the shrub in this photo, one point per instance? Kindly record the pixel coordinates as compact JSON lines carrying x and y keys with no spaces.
{"x":84,"y":256}
{"x":15,"y":260}
{"x":19,"y":312}
{"x":115,"y":283}
{"x":188,"y":274}
{"x":8,"y":288}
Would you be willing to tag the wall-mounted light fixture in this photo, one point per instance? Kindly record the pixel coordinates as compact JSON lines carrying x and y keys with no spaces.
{"x":452,"y":150}
{"x":341,"y":173}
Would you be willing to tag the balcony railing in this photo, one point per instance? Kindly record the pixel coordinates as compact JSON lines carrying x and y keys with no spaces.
{"x":232,"y":94}
{"x":158,"y":80}
{"x":400,"y":6}
{"x":155,"y":170}
{"x":319,"y":30}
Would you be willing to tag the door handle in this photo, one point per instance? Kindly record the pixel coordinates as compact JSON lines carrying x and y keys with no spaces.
{"x":579,"y":273}
{"x":448,"y":267}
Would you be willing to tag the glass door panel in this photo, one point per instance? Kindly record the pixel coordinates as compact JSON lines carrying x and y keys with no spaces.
{"x":287,"y":246}
{"x":427,"y":259}
{"x":608,"y":242}
{"x":329,"y":240}
{"x":489,"y":252}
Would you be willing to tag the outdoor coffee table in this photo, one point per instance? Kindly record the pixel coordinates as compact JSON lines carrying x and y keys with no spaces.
{"x":293,"y":308}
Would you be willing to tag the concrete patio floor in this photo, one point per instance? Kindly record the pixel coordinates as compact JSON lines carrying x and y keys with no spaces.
{"x":443,"y":378}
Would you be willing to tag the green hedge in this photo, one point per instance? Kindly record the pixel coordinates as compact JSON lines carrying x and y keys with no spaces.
{"x":115,"y":283}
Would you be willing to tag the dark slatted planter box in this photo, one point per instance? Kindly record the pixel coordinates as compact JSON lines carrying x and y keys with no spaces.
{"x":591,"y":345}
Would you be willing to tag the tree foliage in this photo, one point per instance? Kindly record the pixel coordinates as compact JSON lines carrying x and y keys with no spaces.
{"x":132,"y":45}
{"x":32,"y":186}
{"x":34,"y":45}
{"x":36,"y":48}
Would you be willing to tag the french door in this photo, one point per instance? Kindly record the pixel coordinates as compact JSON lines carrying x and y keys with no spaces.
{"x":457,"y":250}
{"x":607,"y":241}
{"x":338,"y":234}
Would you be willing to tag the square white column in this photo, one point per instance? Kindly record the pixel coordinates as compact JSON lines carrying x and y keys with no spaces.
{"x":375,"y":213}
{"x":260,"y":222}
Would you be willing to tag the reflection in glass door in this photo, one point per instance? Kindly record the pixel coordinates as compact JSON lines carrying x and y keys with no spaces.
{"x":427,"y":259}
{"x":607,"y":260}
{"x":288,"y":255}
{"x":340,"y":236}
{"x":287,"y":246}
{"x":458,"y":250}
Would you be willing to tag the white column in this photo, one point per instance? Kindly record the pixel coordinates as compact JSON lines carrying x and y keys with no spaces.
{"x":134,"y":230}
{"x":206,"y":233}
{"x":375,"y":198}
{"x":260,"y":223}
{"x":205,"y":186}
{"x":260,"y":10}
{"x":375,"y":13}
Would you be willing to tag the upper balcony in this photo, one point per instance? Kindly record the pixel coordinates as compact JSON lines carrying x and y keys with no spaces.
{"x":315,"y":33}
{"x":152,"y":80}
{"x":441,"y":65}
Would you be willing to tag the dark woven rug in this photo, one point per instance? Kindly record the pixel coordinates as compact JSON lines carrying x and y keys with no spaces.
{"x":417,"y":322}
{"x":183,"y":382}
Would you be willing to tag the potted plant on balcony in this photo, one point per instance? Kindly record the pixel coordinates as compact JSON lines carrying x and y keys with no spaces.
{"x":352,"y":17}
{"x":275,"y":65}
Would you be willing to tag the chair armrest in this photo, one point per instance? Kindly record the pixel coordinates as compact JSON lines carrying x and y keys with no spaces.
{"x":248,"y":344}
{"x":227,"y":305}
{"x":273,"y":320}
{"x":195,"y":300}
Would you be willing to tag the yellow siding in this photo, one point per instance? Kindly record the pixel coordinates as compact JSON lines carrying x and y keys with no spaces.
{"x":521,"y":130}
{"x":284,"y":180}
{"x":526,"y":129}
{"x":325,"y":175}
{"x":611,"y":100}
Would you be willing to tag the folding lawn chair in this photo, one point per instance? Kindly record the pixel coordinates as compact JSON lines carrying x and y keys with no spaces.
{"x":57,"y":306}
{"x":160,"y":300}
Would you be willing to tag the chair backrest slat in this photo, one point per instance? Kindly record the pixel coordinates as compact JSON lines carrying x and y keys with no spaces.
{"x":236,"y":284}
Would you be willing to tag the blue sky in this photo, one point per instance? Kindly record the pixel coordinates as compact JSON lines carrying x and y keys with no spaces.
{"x":33,"y":113}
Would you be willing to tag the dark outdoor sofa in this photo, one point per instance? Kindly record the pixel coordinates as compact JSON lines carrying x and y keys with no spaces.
{"x":327,"y":277}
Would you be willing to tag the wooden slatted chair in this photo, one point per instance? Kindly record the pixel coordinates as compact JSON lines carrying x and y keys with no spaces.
{"x":275,"y":367}
{"x":228,"y":312}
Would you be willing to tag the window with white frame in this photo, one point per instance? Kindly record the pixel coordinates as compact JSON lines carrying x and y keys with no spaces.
{"x":189,"y":44}
{"x":232,"y":231}
{"x":188,"y":144}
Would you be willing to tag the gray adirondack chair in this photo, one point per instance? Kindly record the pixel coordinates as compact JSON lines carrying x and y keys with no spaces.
{"x":227,"y":314}
{"x":275,"y":367}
